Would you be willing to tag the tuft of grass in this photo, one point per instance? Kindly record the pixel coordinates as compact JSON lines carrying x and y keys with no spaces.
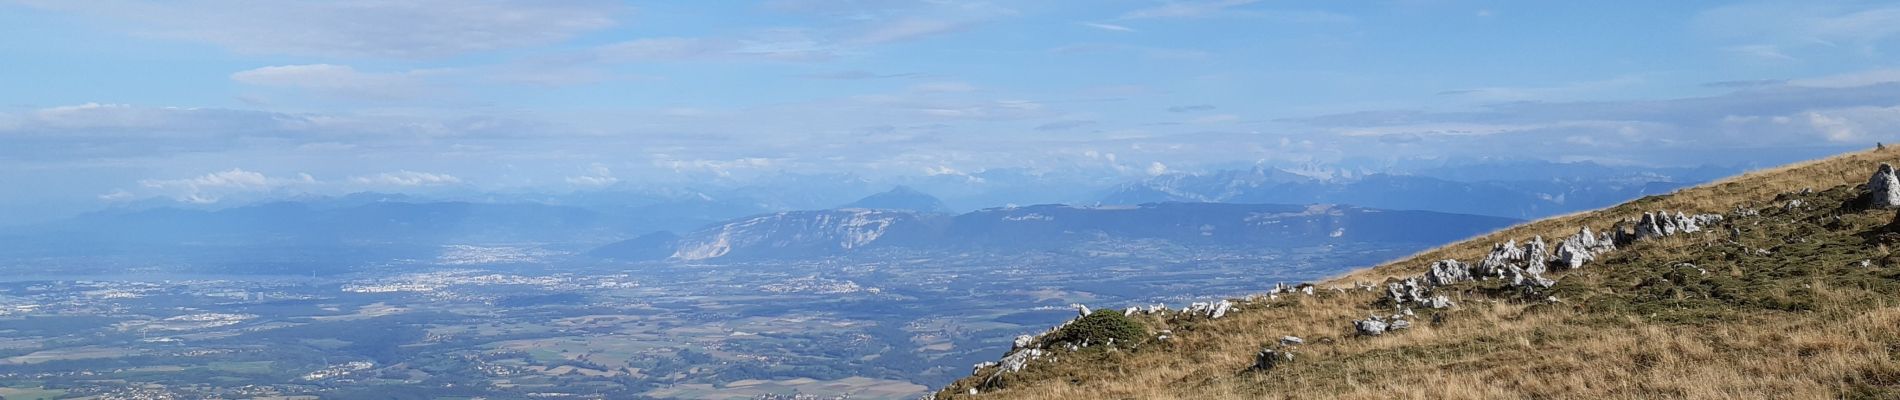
{"x":1101,"y":327}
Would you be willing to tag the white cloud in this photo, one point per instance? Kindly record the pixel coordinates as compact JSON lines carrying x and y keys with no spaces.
{"x":1107,"y":27}
{"x":1157,"y":168}
{"x":598,"y":175}
{"x":406,"y":178}
{"x":209,"y":188}
{"x":723,"y":168}
{"x":116,"y":196}
{"x":340,"y":80}
{"x":402,"y":29}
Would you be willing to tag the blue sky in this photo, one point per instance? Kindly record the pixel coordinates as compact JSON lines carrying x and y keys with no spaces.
{"x":195,"y":100}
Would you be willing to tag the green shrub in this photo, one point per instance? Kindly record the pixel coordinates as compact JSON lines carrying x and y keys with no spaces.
{"x":1098,"y":327}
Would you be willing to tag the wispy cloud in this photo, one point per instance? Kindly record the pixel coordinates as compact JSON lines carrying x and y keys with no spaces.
{"x":407,"y":29}
{"x":209,"y":188}
{"x":1775,"y":30}
{"x":341,"y":80}
{"x":1107,"y":27}
{"x":1185,"y":9}
{"x":598,"y":175}
{"x":405,"y":178}
{"x":857,"y":75}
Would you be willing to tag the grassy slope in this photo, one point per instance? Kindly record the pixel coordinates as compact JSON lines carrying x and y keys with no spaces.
{"x":1803,"y":320}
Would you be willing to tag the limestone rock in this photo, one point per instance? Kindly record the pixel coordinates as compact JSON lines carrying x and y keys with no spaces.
{"x":1446,"y":272}
{"x":1370,"y":326}
{"x":1884,"y":188}
{"x":1398,"y":324}
{"x":1535,"y":255}
{"x":1582,"y":248}
{"x":1405,"y":291}
{"x":1438,"y":302}
{"x":1016,"y":361}
{"x":1023,"y":341}
{"x":980,"y":366}
{"x":1213,"y":310}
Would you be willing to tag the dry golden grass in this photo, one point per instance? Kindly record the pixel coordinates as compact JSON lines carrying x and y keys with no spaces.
{"x":1845,"y":343}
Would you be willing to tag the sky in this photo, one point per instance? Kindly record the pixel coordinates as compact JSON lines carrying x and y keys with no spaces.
{"x":198,"y":100}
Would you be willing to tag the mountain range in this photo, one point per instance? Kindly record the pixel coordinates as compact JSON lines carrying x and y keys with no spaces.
{"x":1052,"y":227}
{"x":1486,"y":194}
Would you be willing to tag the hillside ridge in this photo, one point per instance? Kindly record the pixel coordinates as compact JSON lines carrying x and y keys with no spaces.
{"x":1774,"y":283}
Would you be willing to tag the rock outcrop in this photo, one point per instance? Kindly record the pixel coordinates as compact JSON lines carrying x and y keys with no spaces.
{"x":1582,"y":248}
{"x":1662,"y":224}
{"x":1213,"y":310}
{"x":1883,"y":189}
{"x":1370,"y":326}
{"x":1446,"y":272}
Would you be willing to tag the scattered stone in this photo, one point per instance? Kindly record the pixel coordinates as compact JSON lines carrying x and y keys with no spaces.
{"x":1405,"y":291}
{"x":1520,"y":277}
{"x":1291,"y":340}
{"x":1213,"y":310}
{"x":1438,"y":302}
{"x":1370,"y":326}
{"x":1582,"y":248}
{"x":1866,"y":263}
{"x":1535,"y":255}
{"x":1697,"y":268}
{"x":1660,"y":224}
{"x":1398,"y":324}
{"x":1023,"y":341}
{"x":1446,"y":272}
{"x":980,"y":366}
{"x":1884,"y":188}
{"x":1018,"y":360}
{"x":1794,"y":205}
